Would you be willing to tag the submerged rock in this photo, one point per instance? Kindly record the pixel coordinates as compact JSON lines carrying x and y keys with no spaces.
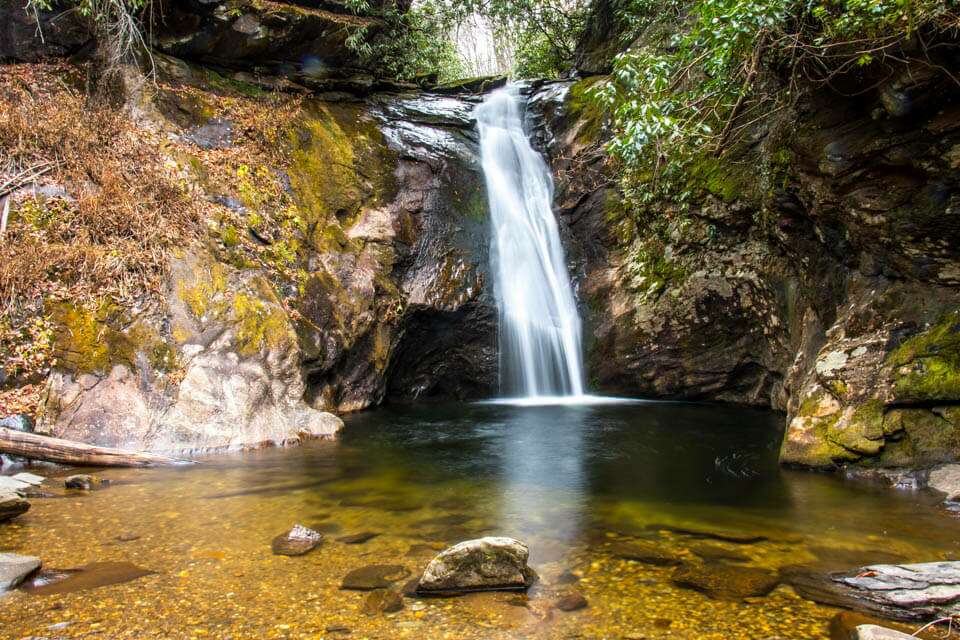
{"x":12,"y":505}
{"x":374,"y":576}
{"x":15,"y":568}
{"x":873,"y":632}
{"x":722,"y":581}
{"x":645,"y":552}
{"x":296,"y":542}
{"x":91,"y":576}
{"x":358,"y":538}
{"x":382,"y":601}
{"x":84,"y":482}
{"x":484,"y":564}
{"x":572,"y":601}
{"x":899,"y":591}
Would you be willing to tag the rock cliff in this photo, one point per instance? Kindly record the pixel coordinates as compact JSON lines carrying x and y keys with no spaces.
{"x":816,"y":272}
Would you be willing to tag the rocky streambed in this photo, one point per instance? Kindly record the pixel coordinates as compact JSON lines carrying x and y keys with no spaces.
{"x":700,"y":535}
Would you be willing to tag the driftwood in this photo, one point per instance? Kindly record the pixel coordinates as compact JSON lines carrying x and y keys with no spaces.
{"x":37,"y":447}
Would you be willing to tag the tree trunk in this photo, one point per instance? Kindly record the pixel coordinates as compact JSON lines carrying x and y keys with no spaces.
{"x":37,"y":447}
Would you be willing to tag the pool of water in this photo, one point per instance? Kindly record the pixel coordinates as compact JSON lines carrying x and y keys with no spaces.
{"x":698,"y":482}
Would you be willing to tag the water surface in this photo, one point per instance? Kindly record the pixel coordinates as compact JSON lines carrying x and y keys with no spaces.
{"x":571,"y":481}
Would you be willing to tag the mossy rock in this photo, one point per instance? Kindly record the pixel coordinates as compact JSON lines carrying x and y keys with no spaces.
{"x":95,"y":339}
{"x":340,"y":164}
{"x":926,"y":367}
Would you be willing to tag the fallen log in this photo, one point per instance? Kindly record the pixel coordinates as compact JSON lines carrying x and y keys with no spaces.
{"x":49,"y":449}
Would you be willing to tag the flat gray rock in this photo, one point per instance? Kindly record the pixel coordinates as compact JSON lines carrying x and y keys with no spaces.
{"x":10,"y":483}
{"x":14,"y":568}
{"x":29,"y":478}
{"x":899,"y":591}
{"x":873,"y":632}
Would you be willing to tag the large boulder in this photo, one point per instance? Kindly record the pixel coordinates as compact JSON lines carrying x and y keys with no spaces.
{"x":915,"y":592}
{"x":15,"y":568}
{"x":484,"y":564}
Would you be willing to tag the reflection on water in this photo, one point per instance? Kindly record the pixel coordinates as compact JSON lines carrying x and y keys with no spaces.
{"x":574,"y":482}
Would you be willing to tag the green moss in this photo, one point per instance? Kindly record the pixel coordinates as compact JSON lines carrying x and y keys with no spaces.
{"x":927,"y":366}
{"x":586,"y":109}
{"x":258,"y":325}
{"x":339,"y":165}
{"x":95,"y":339}
{"x":229,"y":85}
{"x":920,"y":437}
{"x":208,"y":281}
{"x":722,"y":178}
{"x":839,"y":387}
{"x":230,"y":236}
{"x":651,"y":270}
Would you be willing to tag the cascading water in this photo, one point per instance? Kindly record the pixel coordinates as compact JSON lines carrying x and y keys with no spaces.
{"x":539,"y":326}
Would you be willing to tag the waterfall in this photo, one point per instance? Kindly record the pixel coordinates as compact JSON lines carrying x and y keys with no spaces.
{"x":540,"y":353}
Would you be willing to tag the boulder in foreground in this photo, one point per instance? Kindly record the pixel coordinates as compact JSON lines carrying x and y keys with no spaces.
{"x":913,"y":592}
{"x":484,"y":564}
{"x":14,"y":568}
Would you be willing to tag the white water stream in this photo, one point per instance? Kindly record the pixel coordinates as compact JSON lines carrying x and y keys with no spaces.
{"x":540,"y":351}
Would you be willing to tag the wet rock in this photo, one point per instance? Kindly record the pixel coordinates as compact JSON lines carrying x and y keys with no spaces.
{"x":84,"y":482}
{"x":30,"y":478}
{"x":572,"y":601}
{"x":382,"y":601}
{"x":12,"y":505}
{"x":15,"y":568}
{"x":296,"y":542}
{"x":423,"y":548}
{"x":946,"y":480}
{"x":10,"y":484}
{"x":567,"y":577}
{"x":873,"y":632}
{"x":716,"y":552}
{"x":645,"y":552}
{"x":358,"y":538}
{"x":484,"y":564}
{"x":901,"y":592}
{"x":451,"y":520}
{"x":722,"y":581}
{"x":326,"y":527}
{"x":843,"y":626}
{"x":18,"y":422}
{"x":91,"y":576}
{"x":735,"y":537}
{"x":374,"y":576}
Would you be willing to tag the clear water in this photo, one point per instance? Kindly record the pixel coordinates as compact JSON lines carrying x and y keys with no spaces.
{"x":572,"y":482}
{"x":540,"y":353}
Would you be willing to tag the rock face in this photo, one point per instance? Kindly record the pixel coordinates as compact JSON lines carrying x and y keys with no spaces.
{"x":300,"y":38}
{"x":485,"y":564}
{"x":815,"y":272}
{"x":346,"y":263}
{"x":903,"y":592}
{"x":15,"y":568}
